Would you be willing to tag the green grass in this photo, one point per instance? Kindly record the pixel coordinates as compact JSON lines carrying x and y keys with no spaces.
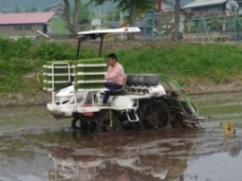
{"x":220,"y":63}
{"x":58,"y":26}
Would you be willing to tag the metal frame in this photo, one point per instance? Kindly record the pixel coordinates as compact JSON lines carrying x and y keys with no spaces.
{"x":94,"y":34}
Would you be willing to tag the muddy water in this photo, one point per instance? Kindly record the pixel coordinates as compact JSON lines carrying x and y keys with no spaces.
{"x":36,"y":147}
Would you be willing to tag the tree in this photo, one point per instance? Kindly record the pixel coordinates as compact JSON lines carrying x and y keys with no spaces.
{"x":84,"y":12}
{"x":132,"y":6}
{"x":113,"y":15}
{"x":72,"y":22}
{"x":17,"y":9}
{"x":177,"y":20}
{"x":33,"y":9}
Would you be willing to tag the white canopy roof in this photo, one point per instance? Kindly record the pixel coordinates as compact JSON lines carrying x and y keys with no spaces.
{"x":106,"y":31}
{"x":200,"y":3}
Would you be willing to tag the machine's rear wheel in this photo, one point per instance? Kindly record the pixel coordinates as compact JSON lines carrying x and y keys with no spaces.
{"x":163,"y":118}
{"x":154,"y":120}
{"x":154,"y":113}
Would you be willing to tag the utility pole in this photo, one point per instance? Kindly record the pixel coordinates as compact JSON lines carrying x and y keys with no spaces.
{"x":121,"y":22}
{"x":177,"y":20}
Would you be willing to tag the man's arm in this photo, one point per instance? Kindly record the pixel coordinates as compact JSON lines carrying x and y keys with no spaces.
{"x":114,"y":74}
{"x":107,"y":73}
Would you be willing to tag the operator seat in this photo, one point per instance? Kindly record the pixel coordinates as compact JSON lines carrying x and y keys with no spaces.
{"x":120,"y":91}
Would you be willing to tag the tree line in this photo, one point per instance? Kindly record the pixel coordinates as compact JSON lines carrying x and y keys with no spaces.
{"x":26,"y":5}
{"x":131,"y":6}
{"x":72,"y":18}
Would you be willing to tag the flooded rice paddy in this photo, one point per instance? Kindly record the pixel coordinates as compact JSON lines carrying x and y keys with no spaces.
{"x":36,"y":147}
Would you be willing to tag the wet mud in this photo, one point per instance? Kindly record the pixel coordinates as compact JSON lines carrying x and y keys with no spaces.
{"x":36,"y":147}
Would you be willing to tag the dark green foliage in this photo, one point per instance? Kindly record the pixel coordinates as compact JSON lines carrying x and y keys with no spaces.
{"x":54,"y":51}
{"x":125,"y":4}
{"x":32,"y":9}
{"x":113,"y":15}
{"x":14,"y":63}
{"x":24,"y":56}
{"x":85,"y":12}
{"x":10,"y":48}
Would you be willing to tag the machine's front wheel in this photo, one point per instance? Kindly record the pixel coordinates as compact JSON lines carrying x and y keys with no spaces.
{"x":108,"y":122}
{"x":74,"y":123}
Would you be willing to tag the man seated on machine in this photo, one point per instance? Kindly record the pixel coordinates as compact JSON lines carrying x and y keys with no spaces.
{"x":114,"y":77}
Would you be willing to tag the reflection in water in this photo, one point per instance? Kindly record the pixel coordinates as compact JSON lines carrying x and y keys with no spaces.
{"x":149,"y":156}
{"x":204,"y":154}
{"x":220,"y":166}
{"x":232,"y":146}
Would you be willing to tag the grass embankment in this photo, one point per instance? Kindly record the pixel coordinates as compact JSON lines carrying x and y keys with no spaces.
{"x":21,"y":60}
{"x":221,"y":63}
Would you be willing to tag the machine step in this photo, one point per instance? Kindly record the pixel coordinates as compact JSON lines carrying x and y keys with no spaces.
{"x":132,"y":116}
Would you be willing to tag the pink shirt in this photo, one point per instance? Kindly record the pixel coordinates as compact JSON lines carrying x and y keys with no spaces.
{"x":115,"y":74}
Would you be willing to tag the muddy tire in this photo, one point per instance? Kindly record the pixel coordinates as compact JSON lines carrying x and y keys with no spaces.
{"x":163,"y":119}
{"x":107,"y":123}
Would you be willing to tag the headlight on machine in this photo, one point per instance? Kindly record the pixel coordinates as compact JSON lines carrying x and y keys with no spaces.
{"x":63,"y":99}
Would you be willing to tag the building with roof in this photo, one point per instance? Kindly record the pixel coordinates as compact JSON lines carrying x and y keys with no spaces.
{"x":213,"y":7}
{"x":58,"y":9}
{"x":214,"y":20}
{"x":164,"y":5}
{"x":182,"y":2}
{"x":168,"y":5}
{"x":22,"y":24}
